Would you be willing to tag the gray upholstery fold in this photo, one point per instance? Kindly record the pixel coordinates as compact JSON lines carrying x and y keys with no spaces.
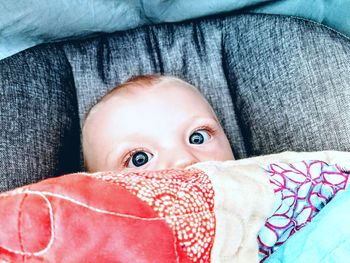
{"x":277,"y":83}
{"x":39,"y":135}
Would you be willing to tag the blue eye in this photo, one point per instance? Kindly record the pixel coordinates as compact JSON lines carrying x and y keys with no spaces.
{"x":199,"y":137}
{"x":138,"y":159}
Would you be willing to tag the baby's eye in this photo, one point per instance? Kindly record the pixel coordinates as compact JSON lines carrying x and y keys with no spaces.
{"x":199,"y":137}
{"x":138,"y":159}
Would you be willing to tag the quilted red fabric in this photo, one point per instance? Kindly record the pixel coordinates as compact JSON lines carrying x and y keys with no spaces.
{"x":163,"y":216}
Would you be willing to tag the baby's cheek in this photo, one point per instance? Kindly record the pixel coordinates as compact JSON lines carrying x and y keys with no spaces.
{"x":223,"y":151}
{"x":215,"y":152}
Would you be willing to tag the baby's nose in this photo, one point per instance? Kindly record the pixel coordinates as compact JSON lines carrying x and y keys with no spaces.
{"x":181,"y":160}
{"x":183,"y":163}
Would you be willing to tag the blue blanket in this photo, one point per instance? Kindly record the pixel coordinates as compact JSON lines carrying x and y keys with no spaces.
{"x":325,"y":239}
{"x":26,"y":23}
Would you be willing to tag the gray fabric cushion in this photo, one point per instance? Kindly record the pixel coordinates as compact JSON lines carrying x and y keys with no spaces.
{"x":277,"y":83}
{"x":39,"y":135}
{"x":290,"y":84}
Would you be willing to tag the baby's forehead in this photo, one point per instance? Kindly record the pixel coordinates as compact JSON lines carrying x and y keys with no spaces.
{"x":165,"y":88}
{"x":168,"y":89}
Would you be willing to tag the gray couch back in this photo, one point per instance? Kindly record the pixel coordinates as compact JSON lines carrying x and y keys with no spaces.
{"x":277,"y":83}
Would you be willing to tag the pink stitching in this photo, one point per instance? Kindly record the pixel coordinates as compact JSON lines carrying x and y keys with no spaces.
{"x":43,"y":194}
{"x":205,"y":213}
{"x":44,"y":250}
{"x":19,"y":223}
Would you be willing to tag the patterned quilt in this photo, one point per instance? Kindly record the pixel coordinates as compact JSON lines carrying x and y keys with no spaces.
{"x":233,"y":211}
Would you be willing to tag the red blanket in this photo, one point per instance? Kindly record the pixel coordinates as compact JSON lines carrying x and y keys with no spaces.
{"x":162,"y":216}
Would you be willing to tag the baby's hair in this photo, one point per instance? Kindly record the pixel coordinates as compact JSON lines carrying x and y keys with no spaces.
{"x":140,"y":80}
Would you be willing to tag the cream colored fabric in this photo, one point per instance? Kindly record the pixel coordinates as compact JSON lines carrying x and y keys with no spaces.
{"x":244,"y":200}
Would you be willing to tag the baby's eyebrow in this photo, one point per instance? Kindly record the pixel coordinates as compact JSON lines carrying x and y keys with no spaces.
{"x":211,"y":118}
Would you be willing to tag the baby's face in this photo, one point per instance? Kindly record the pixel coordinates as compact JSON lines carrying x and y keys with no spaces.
{"x":167,"y":126}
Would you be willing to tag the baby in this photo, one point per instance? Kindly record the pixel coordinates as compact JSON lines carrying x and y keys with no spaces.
{"x":160,"y":122}
{"x":152,"y":122}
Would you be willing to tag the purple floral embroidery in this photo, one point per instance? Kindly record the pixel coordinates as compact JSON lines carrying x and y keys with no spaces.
{"x":301,"y":190}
